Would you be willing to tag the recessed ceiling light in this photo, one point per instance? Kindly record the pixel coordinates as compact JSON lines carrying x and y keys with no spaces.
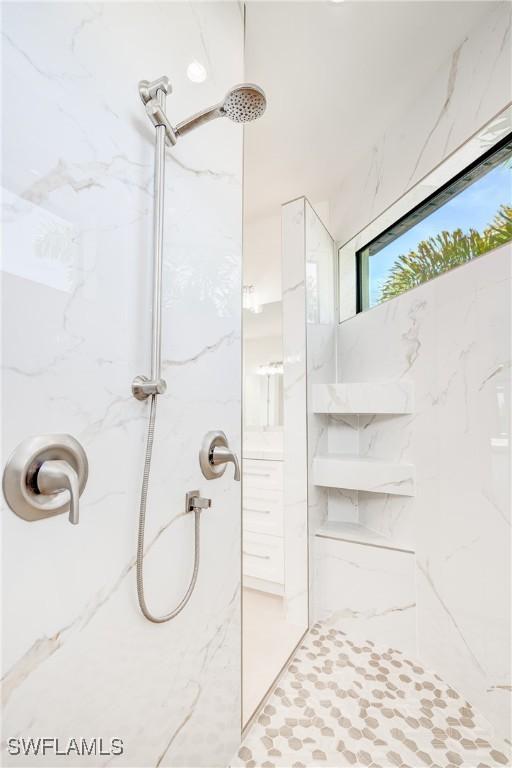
{"x":196,"y":72}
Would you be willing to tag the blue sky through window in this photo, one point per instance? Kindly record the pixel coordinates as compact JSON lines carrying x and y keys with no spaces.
{"x":472,"y":208}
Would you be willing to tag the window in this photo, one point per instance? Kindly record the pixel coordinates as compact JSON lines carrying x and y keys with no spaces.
{"x":467,"y":217}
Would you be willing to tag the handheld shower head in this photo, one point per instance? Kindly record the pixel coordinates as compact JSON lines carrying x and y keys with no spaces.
{"x":243,"y":103}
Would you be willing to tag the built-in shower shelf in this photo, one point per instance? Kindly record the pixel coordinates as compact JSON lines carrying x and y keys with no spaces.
{"x":357,"y":534}
{"x":373,"y":397}
{"x":360,"y":474}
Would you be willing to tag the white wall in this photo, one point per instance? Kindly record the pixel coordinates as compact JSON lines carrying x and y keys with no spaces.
{"x":448,"y":336}
{"x":295,"y":469}
{"x":262,"y":257}
{"x":470,"y":88}
{"x":79,"y":658}
{"x":262,"y":252}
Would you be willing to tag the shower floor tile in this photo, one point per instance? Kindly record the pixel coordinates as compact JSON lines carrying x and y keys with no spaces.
{"x":348,"y":703}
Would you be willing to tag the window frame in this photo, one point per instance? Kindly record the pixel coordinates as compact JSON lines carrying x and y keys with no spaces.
{"x":483,"y":144}
{"x":450,"y":189}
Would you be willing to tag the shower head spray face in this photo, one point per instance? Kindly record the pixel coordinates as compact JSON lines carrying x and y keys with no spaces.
{"x":244,"y":103}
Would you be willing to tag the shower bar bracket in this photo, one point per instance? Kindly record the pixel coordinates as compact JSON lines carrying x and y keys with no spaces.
{"x":153,"y":97}
{"x":149,"y":89}
{"x":194,"y":502}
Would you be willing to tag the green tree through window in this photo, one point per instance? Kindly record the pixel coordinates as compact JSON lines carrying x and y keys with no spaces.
{"x":466,"y":218}
{"x":438,"y":254}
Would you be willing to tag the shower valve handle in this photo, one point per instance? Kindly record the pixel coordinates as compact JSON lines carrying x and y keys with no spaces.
{"x":222,"y":455}
{"x":215,"y":453}
{"x":55,"y":476}
{"x":45,"y":476}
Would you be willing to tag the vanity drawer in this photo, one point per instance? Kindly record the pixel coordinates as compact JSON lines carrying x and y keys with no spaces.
{"x":263,"y":511}
{"x":263,"y":557}
{"x":261,"y":473}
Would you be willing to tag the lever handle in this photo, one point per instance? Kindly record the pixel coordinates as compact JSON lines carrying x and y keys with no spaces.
{"x":37,"y":473}
{"x":57,"y":475}
{"x":215,"y":453}
{"x":224,"y":455}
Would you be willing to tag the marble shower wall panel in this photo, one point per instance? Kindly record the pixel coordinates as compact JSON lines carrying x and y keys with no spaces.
{"x":295,"y":467}
{"x":470,"y":88}
{"x":452,"y":338}
{"x":368,"y":592}
{"x":321,"y":340}
{"x":309,"y":344}
{"x":343,"y":437}
{"x":79,"y":659}
{"x":387,"y":437}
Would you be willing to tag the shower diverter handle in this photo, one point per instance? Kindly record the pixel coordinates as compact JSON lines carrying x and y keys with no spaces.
{"x":215,"y":454}
{"x":56,"y":476}
{"x":45,"y":476}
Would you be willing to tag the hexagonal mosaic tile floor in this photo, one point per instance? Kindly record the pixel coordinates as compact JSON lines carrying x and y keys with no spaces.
{"x":345,"y":703}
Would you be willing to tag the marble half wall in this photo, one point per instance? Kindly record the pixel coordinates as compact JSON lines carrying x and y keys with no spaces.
{"x":79,"y":660}
{"x":446,"y":338}
{"x":451,"y":338}
{"x":366,"y":591}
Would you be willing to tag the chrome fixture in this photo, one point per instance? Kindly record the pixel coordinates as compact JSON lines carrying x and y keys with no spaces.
{"x":241,"y":104}
{"x":195,"y":503}
{"x":155,"y":94}
{"x":215,"y":453}
{"x":45,"y":476}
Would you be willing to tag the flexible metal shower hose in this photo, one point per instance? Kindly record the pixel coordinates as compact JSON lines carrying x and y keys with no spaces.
{"x":142,"y":522}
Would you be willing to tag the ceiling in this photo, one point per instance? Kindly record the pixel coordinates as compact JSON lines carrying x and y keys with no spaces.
{"x":336,"y":75}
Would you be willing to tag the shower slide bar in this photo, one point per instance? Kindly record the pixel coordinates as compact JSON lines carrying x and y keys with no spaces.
{"x":241,"y":104}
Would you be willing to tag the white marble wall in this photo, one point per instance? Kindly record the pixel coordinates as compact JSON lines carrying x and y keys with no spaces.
{"x":308,"y":338}
{"x":470,"y":88}
{"x":458,"y":439}
{"x":321,"y":337}
{"x":366,"y":591}
{"x":79,"y":659}
{"x":295,"y":467}
{"x":452,"y":338}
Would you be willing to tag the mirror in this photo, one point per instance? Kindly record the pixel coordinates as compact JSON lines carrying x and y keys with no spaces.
{"x":263,"y":368}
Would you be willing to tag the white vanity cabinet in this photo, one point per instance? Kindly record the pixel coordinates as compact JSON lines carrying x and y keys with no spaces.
{"x":263,"y":542}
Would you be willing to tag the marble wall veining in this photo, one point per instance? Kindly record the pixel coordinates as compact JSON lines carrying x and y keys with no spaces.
{"x":79,"y":659}
{"x":452,"y":338}
{"x":472,"y":86}
{"x":295,"y":464}
{"x":309,"y":335}
{"x":321,"y":335}
{"x":445,"y":338}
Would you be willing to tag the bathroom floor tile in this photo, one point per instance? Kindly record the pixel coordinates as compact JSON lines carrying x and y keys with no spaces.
{"x":347,"y":703}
